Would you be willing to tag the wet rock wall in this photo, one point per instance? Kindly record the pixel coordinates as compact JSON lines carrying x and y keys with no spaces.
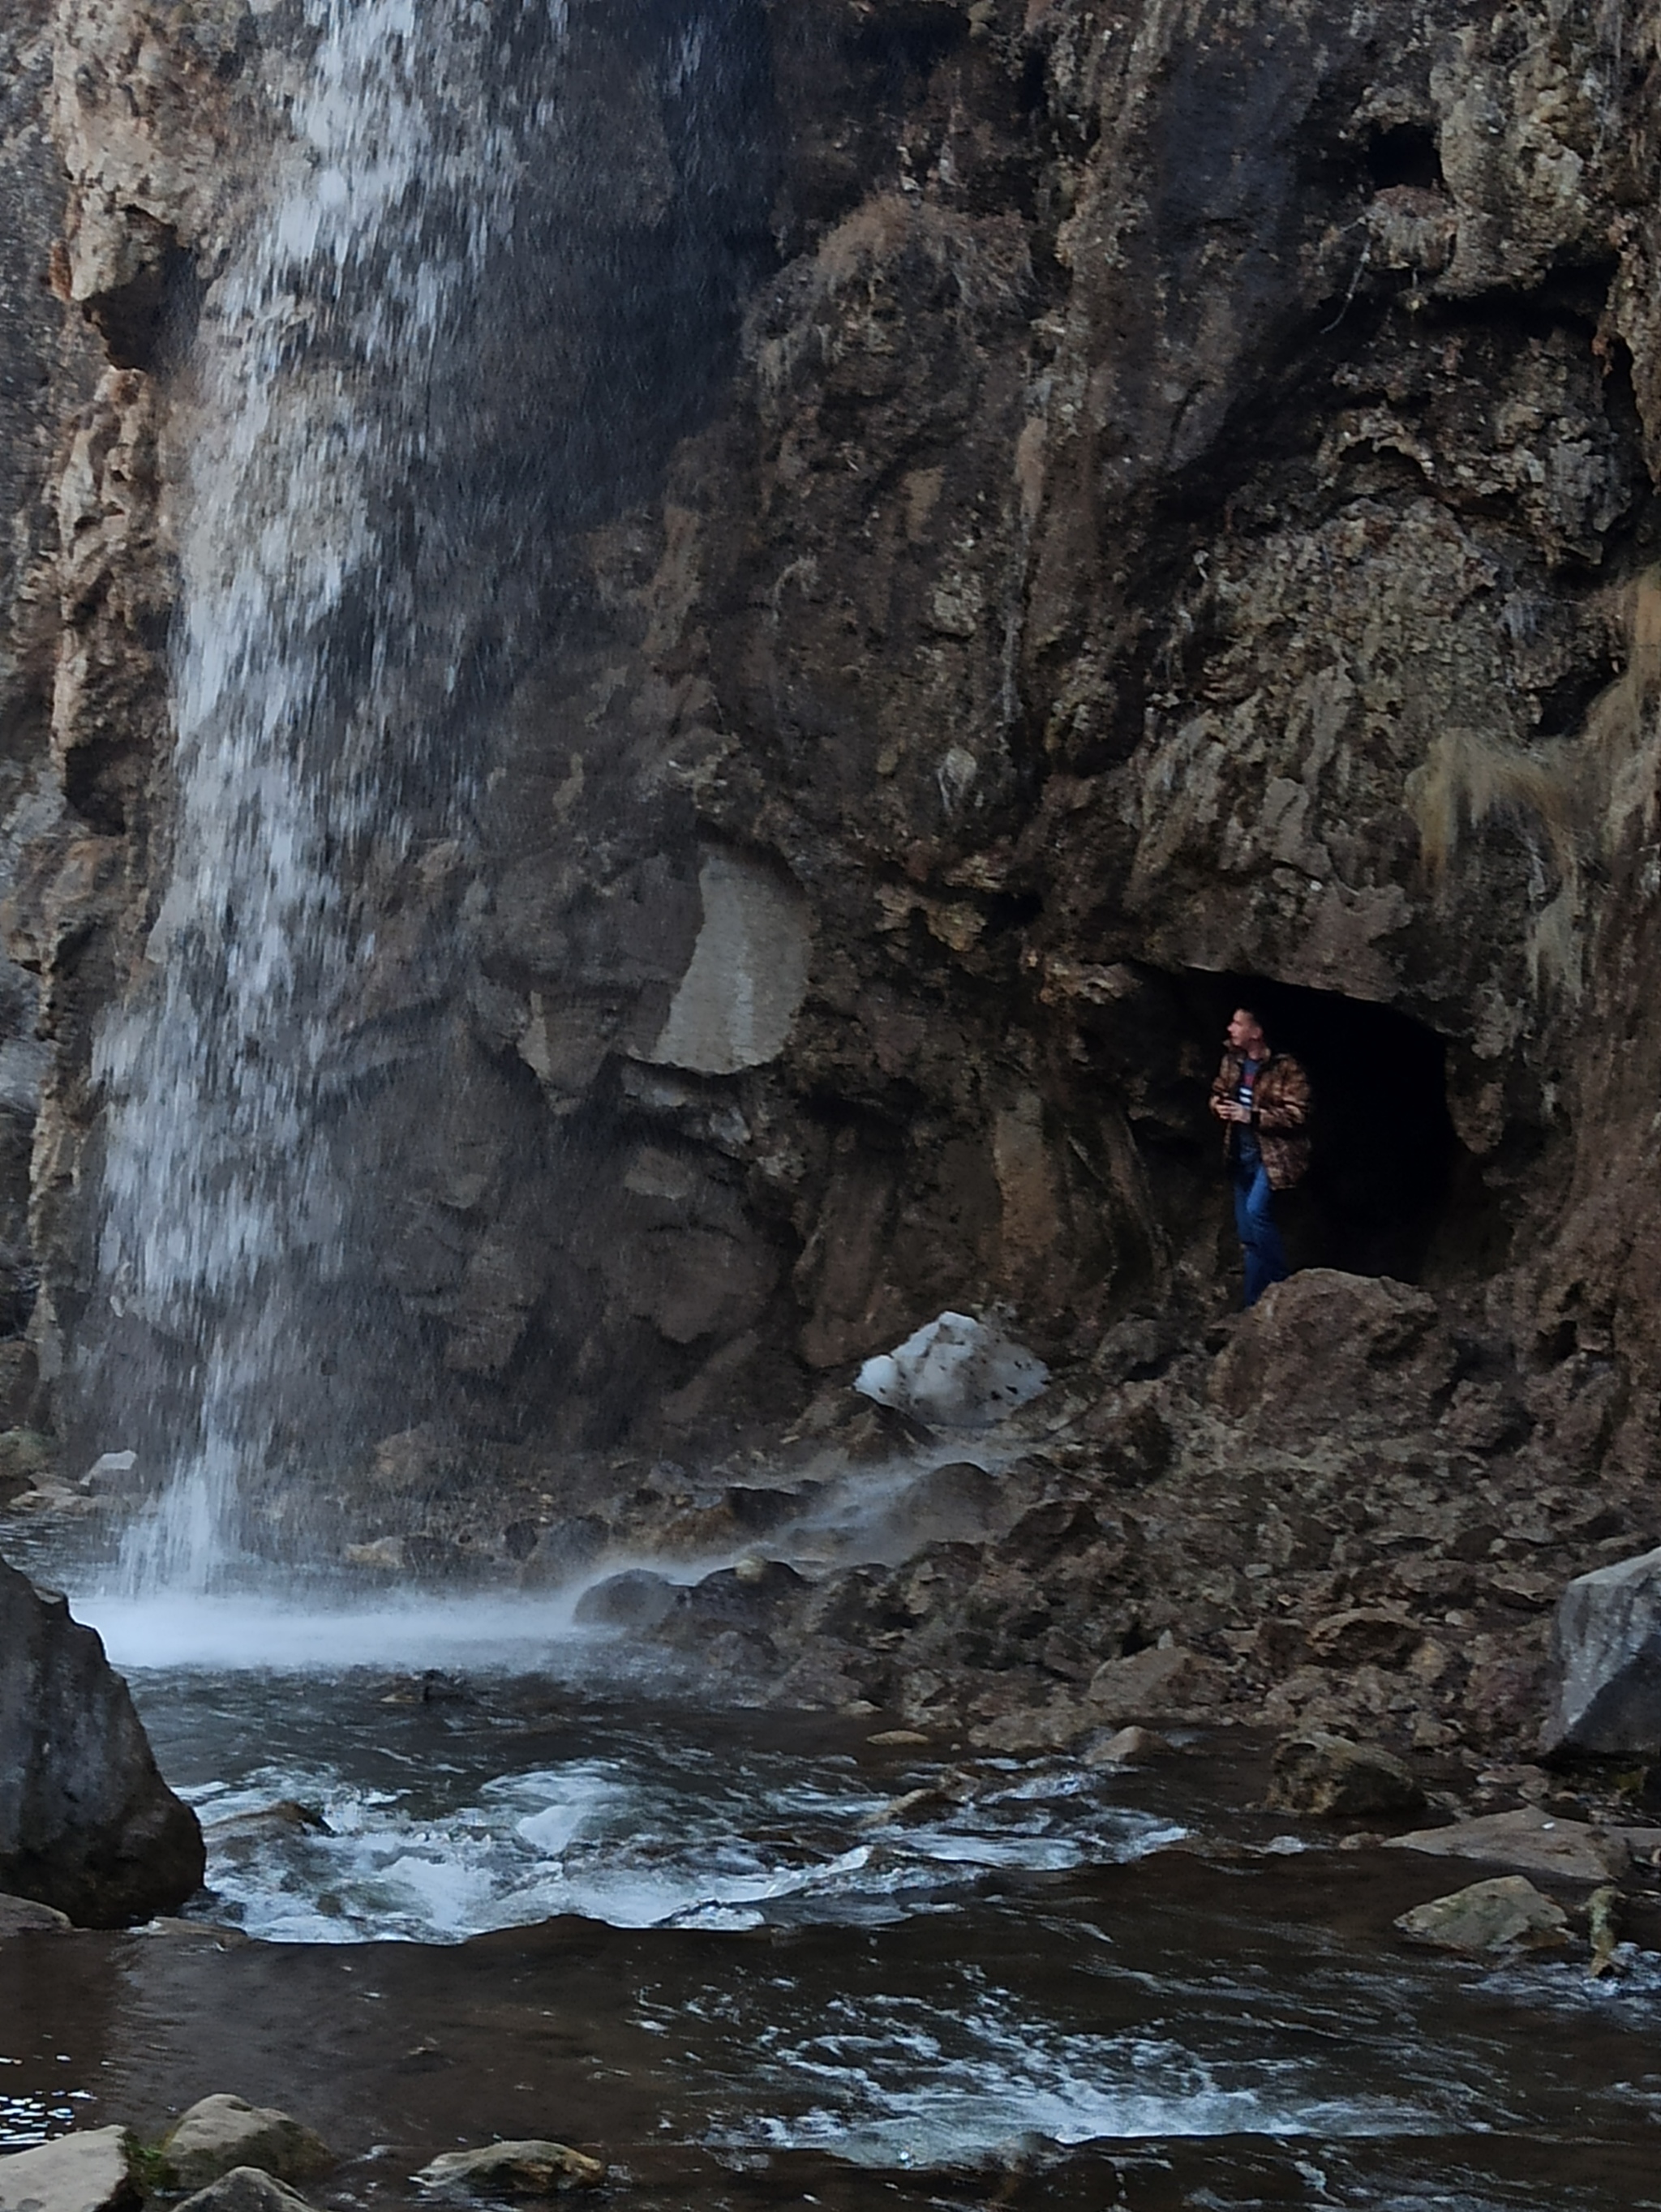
{"x":1022,"y":521}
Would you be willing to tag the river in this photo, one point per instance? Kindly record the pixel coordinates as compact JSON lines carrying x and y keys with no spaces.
{"x":506,"y":1889}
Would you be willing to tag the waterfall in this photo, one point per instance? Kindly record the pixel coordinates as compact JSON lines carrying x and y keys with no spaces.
{"x":322,"y":394}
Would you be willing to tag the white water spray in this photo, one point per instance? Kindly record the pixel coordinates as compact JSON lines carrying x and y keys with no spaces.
{"x":324,"y":339}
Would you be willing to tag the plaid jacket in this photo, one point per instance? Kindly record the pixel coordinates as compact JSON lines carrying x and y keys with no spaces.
{"x":1279,"y":1116}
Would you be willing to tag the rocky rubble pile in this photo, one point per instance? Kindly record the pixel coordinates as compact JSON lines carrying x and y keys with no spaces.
{"x":1344,"y":1519}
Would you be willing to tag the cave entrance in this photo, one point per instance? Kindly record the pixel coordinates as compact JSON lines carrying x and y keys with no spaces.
{"x":1385,"y":1149}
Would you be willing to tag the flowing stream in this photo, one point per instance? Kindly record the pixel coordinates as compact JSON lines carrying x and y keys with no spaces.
{"x":498,"y":1886}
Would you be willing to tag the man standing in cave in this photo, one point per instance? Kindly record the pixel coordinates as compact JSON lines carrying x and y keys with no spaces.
{"x":1262,"y":1097}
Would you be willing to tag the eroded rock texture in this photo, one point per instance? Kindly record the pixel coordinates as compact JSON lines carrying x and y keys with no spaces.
{"x":1070,"y":513}
{"x":87,"y":1823}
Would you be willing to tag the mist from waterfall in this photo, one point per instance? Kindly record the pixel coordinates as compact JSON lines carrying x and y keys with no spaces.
{"x":316,"y":396}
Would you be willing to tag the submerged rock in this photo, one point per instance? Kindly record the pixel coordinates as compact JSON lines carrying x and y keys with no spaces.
{"x":1506,"y":1913}
{"x":87,"y":1824}
{"x":87,"y":2172}
{"x":955,"y":1372}
{"x":243,"y":1835}
{"x":1331,"y":1777}
{"x":1606,"y":1654}
{"x":245,"y":2189}
{"x":530,"y":2168}
{"x":223,"y":2132}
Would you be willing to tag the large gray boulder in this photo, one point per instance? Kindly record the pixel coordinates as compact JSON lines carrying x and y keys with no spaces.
{"x":220,"y":2133}
{"x":87,"y":1824}
{"x":1607,"y":1657}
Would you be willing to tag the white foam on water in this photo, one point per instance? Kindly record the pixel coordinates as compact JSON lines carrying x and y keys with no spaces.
{"x":906,"y":2084}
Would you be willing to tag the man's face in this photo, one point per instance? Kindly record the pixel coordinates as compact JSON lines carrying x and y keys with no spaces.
{"x":1243,"y":1033}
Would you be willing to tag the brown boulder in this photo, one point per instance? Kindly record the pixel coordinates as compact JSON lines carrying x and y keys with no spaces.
{"x":533,"y":2168}
{"x":1333,"y":1778}
{"x":1164,"y":1683}
{"x":1572,"y":1850}
{"x":1505,"y":1914}
{"x":1327,"y":1351}
{"x":1363,"y":1635}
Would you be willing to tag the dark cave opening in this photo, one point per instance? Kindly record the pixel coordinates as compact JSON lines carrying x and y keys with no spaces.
{"x":1405,"y":154}
{"x":1382,"y":1170}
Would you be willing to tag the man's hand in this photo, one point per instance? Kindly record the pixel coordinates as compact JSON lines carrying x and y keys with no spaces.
{"x":1230,"y":1109}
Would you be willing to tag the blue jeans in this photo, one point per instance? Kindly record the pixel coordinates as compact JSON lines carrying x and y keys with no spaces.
{"x":1265,"y":1255}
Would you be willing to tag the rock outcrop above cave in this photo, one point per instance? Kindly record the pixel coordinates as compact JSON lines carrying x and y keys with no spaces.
{"x":87,"y":1823}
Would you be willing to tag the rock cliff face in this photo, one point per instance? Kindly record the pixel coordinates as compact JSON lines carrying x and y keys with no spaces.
{"x":1015,"y":524}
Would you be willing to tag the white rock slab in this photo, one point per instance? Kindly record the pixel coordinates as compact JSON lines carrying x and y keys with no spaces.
{"x":82,"y":2172}
{"x":955,"y":1372}
{"x":739,"y":999}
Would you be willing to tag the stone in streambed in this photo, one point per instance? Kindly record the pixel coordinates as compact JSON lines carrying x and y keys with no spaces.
{"x":530,"y":2168}
{"x":1334,"y":1779}
{"x":1506,"y":1913}
{"x":1126,"y":1746}
{"x":22,"y":1916}
{"x":1606,"y":1650}
{"x":1572,"y":1850}
{"x":222,"y":2132}
{"x":245,"y":2189}
{"x":241,"y":1835}
{"x":87,"y":2172}
{"x":87,"y":1824}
